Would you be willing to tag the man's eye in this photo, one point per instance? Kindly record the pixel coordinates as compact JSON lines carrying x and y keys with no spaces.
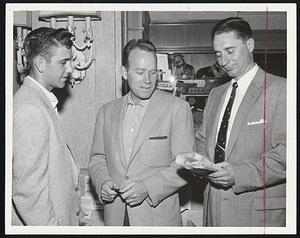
{"x":140,"y":72}
{"x":218,"y":55}
{"x":230,"y":51}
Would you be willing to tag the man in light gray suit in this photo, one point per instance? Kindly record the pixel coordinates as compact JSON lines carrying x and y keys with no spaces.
{"x":244,"y":131}
{"x":45,"y":171}
{"x":135,"y":143}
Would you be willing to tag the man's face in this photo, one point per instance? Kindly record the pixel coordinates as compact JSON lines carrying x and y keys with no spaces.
{"x":59,"y":68}
{"x":141,"y":74}
{"x":233,"y":54}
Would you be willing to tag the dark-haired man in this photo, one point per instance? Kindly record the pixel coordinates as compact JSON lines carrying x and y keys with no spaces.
{"x":244,"y":131}
{"x":136,"y":140}
{"x":45,"y":171}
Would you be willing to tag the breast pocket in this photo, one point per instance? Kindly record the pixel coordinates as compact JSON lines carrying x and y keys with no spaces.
{"x":159,"y":150}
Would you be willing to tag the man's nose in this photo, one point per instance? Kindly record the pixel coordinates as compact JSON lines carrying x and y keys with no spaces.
{"x":69,"y":67}
{"x":224,"y":60}
{"x":146,"y":78}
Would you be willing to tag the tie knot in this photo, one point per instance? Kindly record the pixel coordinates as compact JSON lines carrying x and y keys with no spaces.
{"x":235,"y":85}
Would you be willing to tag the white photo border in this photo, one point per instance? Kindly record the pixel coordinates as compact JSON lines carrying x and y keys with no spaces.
{"x":290,"y":228}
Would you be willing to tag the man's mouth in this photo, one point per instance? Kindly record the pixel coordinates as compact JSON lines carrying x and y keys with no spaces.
{"x":64,"y":78}
{"x":146,"y":88}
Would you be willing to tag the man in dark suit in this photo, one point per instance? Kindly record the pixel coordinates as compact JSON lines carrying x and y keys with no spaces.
{"x":244,"y":131}
{"x":136,"y":140}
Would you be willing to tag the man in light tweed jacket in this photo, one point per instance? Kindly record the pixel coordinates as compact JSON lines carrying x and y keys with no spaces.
{"x":45,"y":171}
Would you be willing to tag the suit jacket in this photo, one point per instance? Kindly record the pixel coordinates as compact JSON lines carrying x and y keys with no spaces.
{"x":166,"y":130}
{"x":259,"y":164}
{"x":45,"y":176}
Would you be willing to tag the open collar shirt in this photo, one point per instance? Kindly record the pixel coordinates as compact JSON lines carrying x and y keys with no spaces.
{"x":51,"y":97}
{"x":132,"y":121}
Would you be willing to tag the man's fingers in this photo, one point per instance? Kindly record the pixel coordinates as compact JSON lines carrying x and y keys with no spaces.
{"x":115,"y":187}
{"x":132,"y":204}
{"x":126,"y":188}
{"x":218,"y":174}
{"x":109,"y":192}
{"x":107,"y":198}
{"x":126,"y":194}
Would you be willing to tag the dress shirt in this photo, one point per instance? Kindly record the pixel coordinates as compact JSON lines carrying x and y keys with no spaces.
{"x":53,"y":100}
{"x":243,"y":84}
{"x":132,"y":121}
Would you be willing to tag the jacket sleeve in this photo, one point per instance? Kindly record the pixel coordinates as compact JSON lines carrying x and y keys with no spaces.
{"x":30,"y":167}
{"x":201,"y":134}
{"x":182,"y":141}
{"x":270,"y":169}
{"x":97,"y":167}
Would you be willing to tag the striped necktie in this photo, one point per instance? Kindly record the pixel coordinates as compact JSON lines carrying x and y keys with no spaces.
{"x":221,"y":140}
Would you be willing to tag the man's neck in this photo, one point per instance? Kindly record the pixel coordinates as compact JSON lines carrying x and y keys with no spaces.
{"x":39,"y":79}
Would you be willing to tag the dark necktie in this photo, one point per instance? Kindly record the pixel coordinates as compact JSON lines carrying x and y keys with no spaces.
{"x":221,"y":140}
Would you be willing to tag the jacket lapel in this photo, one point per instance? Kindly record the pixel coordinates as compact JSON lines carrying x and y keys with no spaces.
{"x":153,"y":113}
{"x":218,"y":100}
{"x":56,"y":119}
{"x":251,"y":96}
{"x":118,"y":129}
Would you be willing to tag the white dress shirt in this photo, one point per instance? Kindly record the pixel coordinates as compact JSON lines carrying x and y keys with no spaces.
{"x":52,"y":98}
{"x":243,"y":84}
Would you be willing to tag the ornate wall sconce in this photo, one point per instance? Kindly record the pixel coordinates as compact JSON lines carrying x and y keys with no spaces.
{"x":23,"y":25}
{"x":81,"y":62}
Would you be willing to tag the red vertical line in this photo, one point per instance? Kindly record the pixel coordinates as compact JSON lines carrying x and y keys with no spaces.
{"x":264,"y":130}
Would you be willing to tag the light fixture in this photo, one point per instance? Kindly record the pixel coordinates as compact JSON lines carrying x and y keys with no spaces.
{"x":81,"y":63}
{"x":23,"y":25}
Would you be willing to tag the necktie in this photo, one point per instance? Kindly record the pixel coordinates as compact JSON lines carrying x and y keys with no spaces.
{"x":221,"y":140}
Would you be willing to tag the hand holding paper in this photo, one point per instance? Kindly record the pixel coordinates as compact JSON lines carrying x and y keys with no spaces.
{"x":196,"y":163}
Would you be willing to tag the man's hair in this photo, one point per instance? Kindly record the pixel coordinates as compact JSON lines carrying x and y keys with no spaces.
{"x":133,"y":44}
{"x":42,"y":40}
{"x":238,"y":25}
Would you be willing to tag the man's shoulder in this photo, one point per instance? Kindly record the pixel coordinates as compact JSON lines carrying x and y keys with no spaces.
{"x":113,"y":103}
{"x":25,"y":96}
{"x":169,"y":98}
{"x":276,"y":80}
{"x":111,"y":106}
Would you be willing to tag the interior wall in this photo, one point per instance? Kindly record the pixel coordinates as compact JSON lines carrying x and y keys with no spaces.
{"x":78,"y":106}
{"x":191,"y":37}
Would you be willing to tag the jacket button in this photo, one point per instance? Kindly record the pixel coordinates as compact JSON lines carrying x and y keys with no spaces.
{"x":76,"y":189}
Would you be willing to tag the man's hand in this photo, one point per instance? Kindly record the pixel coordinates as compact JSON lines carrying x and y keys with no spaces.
{"x":109,"y":191}
{"x":133,"y":192}
{"x":224,"y":176}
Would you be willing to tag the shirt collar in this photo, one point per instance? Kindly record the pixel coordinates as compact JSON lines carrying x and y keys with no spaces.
{"x":142,"y":103}
{"x":245,"y":80}
{"x":52,"y":98}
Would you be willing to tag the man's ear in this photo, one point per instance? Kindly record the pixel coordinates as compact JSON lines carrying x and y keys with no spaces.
{"x":250,"y":45}
{"x":39,"y":63}
{"x":124,"y":72}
